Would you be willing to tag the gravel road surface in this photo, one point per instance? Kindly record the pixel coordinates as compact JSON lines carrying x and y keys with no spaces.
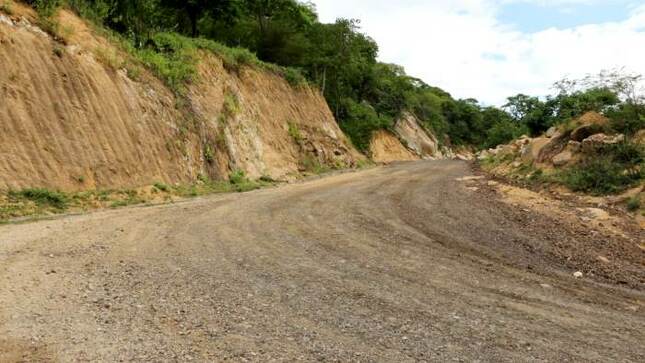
{"x":402,"y":263}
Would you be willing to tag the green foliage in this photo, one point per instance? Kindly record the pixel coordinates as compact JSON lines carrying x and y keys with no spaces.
{"x":59,"y":51}
{"x":209,"y":155}
{"x":634,"y":204}
{"x":43,"y":197}
{"x":162,"y":187}
{"x":6,"y":8}
{"x":627,"y":118}
{"x":611,"y":169}
{"x":171,"y":57}
{"x":359,"y":122}
{"x":294,"y":132}
{"x":238,"y":177}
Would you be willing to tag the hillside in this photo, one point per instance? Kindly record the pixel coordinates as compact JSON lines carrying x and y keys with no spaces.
{"x":71,"y":120}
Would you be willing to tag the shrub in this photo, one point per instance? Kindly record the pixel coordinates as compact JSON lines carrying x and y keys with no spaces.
{"x":611,"y":169}
{"x":360,"y":120}
{"x":294,"y":132}
{"x":238,"y":177}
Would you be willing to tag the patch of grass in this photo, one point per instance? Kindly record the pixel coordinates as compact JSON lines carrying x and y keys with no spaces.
{"x":314,"y":166}
{"x":634,"y":204}
{"x":231,"y":105}
{"x":33,"y":202}
{"x":108,"y":57}
{"x":59,"y":51}
{"x":364,"y":164}
{"x":162,"y":187}
{"x":6,"y":8}
{"x":294,"y":132}
{"x":43,"y":197}
{"x":209,"y":155}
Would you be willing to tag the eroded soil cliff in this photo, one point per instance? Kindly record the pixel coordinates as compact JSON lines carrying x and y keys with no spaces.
{"x":71,"y":120}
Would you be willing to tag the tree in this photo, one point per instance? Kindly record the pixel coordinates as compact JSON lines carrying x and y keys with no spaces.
{"x":193,"y":10}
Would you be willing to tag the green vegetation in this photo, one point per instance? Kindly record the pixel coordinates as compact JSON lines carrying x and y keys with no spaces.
{"x":610,"y":169}
{"x":633,"y":204}
{"x":5,"y":7}
{"x":38,"y":202}
{"x":42,"y":197}
{"x":294,"y":132}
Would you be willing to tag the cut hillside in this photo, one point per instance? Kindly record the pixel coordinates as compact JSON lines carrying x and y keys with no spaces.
{"x":386,"y":148}
{"x":408,"y":141}
{"x":78,"y":113}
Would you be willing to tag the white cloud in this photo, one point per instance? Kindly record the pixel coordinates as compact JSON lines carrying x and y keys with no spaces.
{"x":460,"y":46}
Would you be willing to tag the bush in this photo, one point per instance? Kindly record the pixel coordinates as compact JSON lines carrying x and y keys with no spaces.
{"x":360,"y":121}
{"x":611,"y":169}
{"x":633,"y":204}
{"x":627,"y":118}
{"x":238,"y":177}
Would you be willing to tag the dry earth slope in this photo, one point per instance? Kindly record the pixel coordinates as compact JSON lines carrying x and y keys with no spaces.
{"x":70,"y":119}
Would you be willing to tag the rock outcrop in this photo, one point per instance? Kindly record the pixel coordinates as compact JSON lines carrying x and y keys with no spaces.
{"x":410,"y":141}
{"x":424,"y":144}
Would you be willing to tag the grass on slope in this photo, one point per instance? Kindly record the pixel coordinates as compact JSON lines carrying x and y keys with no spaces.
{"x":39,"y":202}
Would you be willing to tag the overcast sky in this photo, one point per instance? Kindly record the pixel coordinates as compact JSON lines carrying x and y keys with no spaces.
{"x":492,"y":49}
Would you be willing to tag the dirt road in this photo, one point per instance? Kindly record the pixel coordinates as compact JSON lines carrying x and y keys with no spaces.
{"x":393,"y":264}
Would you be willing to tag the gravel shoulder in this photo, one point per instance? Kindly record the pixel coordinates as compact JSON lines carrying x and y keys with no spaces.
{"x":403,"y":263}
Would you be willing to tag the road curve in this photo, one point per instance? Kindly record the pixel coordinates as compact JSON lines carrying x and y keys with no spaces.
{"x":393,"y":264}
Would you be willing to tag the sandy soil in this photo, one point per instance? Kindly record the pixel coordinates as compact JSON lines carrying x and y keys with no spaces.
{"x":394,"y":264}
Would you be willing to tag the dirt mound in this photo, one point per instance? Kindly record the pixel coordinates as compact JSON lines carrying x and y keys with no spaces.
{"x":386,"y":148}
{"x":593,"y":118}
{"x":72,"y":120}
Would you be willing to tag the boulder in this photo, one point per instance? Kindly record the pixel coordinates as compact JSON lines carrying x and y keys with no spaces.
{"x":551,"y":132}
{"x":532,"y":150}
{"x":574,"y":146}
{"x":594,"y":141}
{"x":562,"y":158}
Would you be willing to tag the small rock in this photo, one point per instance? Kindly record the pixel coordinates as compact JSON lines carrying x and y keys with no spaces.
{"x":550,"y":132}
{"x":578,"y":274}
{"x":546,"y":286}
{"x":603,"y":259}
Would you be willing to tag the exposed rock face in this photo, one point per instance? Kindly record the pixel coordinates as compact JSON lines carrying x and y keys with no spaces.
{"x":597,"y":140}
{"x":386,"y":148}
{"x":70,"y":121}
{"x":532,"y":150}
{"x":417,"y":139}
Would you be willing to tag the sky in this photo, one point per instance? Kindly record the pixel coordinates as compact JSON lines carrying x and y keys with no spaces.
{"x":493,"y":49}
